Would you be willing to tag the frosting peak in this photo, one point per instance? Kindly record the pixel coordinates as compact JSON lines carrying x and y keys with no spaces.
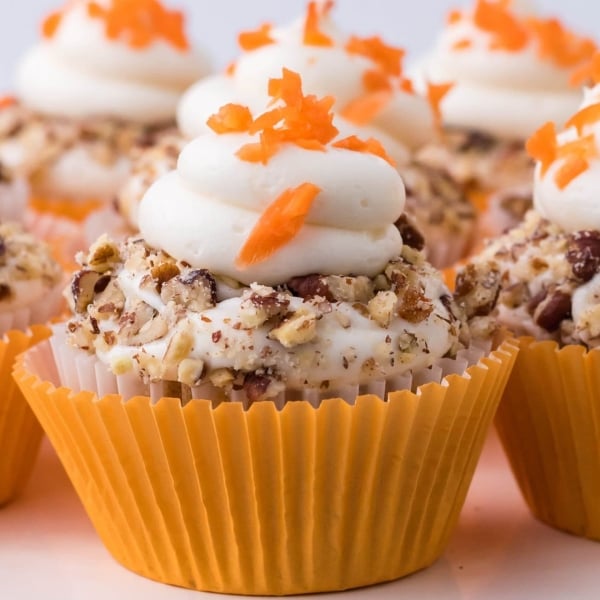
{"x":511,"y":69}
{"x":568,"y":168}
{"x":138,"y":23}
{"x":364,"y":75}
{"x":267,"y":198}
{"x":125,"y":59}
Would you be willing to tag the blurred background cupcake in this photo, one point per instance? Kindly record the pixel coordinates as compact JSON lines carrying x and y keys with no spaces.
{"x":512,"y":70}
{"x":278,"y":289}
{"x":373,"y":98}
{"x":105,"y":77}
{"x":30,"y":293}
{"x":542,"y":280}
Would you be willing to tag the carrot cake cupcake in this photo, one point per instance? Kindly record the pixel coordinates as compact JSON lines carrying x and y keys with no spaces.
{"x":542,"y":279}
{"x":512,"y":70}
{"x":106,"y":76}
{"x":275,"y":291}
{"x":30,"y":293}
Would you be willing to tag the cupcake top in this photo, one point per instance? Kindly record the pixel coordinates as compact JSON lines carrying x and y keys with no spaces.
{"x":269,"y":259}
{"x":512,"y":69}
{"x":27,"y":270}
{"x":365,"y":76}
{"x":542,"y":278}
{"x":123,"y":59}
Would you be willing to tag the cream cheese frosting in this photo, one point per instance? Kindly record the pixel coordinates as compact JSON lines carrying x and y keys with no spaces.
{"x":77,"y":71}
{"x":567,"y":174}
{"x":219,"y":199}
{"x":338,"y":67}
{"x":511,"y":69}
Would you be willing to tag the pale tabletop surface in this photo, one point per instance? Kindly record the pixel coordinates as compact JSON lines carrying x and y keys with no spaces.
{"x":48,"y":550}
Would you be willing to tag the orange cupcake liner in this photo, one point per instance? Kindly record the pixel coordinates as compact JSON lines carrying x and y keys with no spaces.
{"x":549,"y":424}
{"x":20,"y":432}
{"x":268,"y":501}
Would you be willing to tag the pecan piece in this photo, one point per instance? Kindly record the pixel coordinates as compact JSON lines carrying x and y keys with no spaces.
{"x":310,"y":286}
{"x":299,"y":328}
{"x":552,"y":310}
{"x":583,"y":254}
{"x":478,"y":288}
{"x":82,"y":289}
{"x":195,"y":290}
{"x":411,"y":236}
{"x":260,"y":304}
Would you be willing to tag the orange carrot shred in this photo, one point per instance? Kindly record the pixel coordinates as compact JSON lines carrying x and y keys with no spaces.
{"x":504,"y":27}
{"x":570,"y":170}
{"x":462,"y":44}
{"x":51,"y":24}
{"x":542,"y":146}
{"x":370,"y":146}
{"x":454,"y":16}
{"x":138,"y":23}
{"x":375,"y":80}
{"x":6,"y":101}
{"x":586,"y":116}
{"x":435,"y":94}
{"x":584,"y":147}
{"x":230,"y":69}
{"x":406,"y":85}
{"x":231,"y":118}
{"x":278,"y":225}
{"x":363,"y":110}
{"x":387,"y":58}
{"x":589,"y":72}
{"x":313,"y":36}
{"x":251,"y":40}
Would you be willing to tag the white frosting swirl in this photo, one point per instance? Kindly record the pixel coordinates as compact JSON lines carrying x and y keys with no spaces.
{"x":80,"y":73}
{"x":505,"y":94}
{"x":576,"y":206}
{"x":219,"y":198}
{"x":325,"y":70}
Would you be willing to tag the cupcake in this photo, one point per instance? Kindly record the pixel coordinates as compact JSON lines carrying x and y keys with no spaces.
{"x":30,"y":293}
{"x":275,"y":322}
{"x":373,"y":99}
{"x":105,"y":77}
{"x":512,"y":70}
{"x":542,"y":281}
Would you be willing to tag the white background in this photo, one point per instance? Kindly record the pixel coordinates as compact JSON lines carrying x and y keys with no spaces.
{"x":411,"y":24}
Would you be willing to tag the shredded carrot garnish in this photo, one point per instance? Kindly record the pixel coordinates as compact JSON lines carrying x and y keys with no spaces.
{"x":504,"y":27}
{"x":138,"y":23}
{"x":370,"y":146}
{"x":559,"y":45}
{"x":585,"y":147}
{"x":231,"y":118}
{"x":364,"y":109}
{"x":570,"y":170}
{"x":435,"y":94}
{"x":462,"y":44}
{"x":6,"y":101}
{"x":251,"y":40}
{"x":542,"y":146}
{"x":51,"y":24}
{"x":454,"y":16}
{"x":230,"y":69}
{"x":305,"y":121}
{"x":375,"y":81}
{"x":406,"y":85}
{"x":387,"y":58}
{"x":586,"y":116}
{"x":512,"y":32}
{"x":589,"y":72}
{"x":278,"y":225}
{"x":313,"y":36}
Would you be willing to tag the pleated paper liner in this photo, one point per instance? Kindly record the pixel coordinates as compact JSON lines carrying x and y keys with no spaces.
{"x":267,"y":500}
{"x":549,"y":424}
{"x":20,"y":432}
